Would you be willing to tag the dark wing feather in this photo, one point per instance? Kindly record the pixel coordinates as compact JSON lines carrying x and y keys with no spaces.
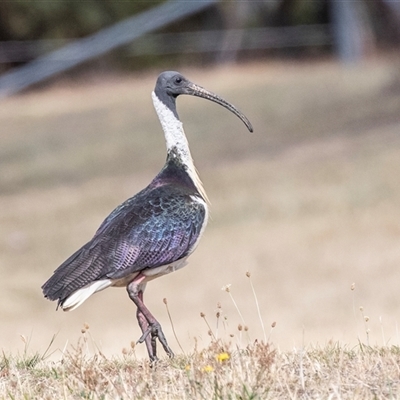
{"x":74,"y":273}
{"x":154,"y":228}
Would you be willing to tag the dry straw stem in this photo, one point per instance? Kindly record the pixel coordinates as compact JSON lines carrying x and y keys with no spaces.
{"x":227,"y":289}
{"x":257,"y":305}
{"x":365,"y":319}
{"x":210,"y":332}
{"x":220,"y":371}
{"x":165,"y":301}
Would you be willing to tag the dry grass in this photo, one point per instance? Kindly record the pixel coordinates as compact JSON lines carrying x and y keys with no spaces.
{"x":309,"y":204}
{"x":219,"y":371}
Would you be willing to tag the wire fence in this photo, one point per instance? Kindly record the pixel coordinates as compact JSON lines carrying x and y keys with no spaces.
{"x":186,"y":42}
{"x":97,"y":44}
{"x":243,"y":39}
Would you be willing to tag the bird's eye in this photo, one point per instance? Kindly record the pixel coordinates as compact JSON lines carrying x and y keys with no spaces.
{"x":178,"y":80}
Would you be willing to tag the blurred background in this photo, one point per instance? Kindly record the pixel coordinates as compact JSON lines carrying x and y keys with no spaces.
{"x":309,"y":204}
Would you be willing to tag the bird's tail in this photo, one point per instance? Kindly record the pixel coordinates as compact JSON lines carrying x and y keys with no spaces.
{"x":77,"y":278}
{"x":79,"y":296}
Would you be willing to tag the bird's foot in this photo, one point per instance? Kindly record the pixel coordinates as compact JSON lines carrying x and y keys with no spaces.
{"x":156,"y":332}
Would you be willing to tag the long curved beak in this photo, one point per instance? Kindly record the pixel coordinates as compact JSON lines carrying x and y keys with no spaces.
{"x":196,"y":90}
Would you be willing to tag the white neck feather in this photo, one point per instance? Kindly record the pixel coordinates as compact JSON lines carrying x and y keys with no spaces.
{"x":175,"y":138}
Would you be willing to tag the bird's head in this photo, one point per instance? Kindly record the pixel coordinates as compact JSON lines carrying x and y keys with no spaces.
{"x":171,"y":84}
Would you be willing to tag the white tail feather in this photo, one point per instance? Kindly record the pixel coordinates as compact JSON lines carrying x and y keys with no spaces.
{"x":78,"y":297}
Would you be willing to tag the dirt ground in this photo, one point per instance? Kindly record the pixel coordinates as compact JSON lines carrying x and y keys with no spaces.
{"x":308,"y":204}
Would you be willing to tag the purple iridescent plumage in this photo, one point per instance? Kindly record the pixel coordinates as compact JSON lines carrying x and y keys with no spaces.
{"x":158,"y":226}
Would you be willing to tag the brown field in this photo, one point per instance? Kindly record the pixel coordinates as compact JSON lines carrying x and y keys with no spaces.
{"x":309,"y":204}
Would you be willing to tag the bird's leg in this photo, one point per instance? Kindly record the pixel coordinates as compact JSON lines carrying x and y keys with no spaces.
{"x":154,"y":327}
{"x":144,"y":326}
{"x":153,"y":332}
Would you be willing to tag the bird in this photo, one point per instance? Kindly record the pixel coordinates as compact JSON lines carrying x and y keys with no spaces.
{"x":150,"y":234}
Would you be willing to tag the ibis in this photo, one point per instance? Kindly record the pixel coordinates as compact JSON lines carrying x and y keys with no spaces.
{"x":152,"y":233}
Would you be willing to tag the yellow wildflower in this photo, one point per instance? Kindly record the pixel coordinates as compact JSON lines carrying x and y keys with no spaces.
{"x":221,"y":357}
{"x":208,"y":368}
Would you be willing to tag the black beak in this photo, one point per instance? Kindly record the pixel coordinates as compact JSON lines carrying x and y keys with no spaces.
{"x":196,"y":90}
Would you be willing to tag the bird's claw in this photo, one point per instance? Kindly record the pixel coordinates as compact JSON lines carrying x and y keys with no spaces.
{"x":156,"y":332}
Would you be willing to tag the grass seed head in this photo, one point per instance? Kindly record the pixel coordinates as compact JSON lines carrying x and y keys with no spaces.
{"x":227,"y":288}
